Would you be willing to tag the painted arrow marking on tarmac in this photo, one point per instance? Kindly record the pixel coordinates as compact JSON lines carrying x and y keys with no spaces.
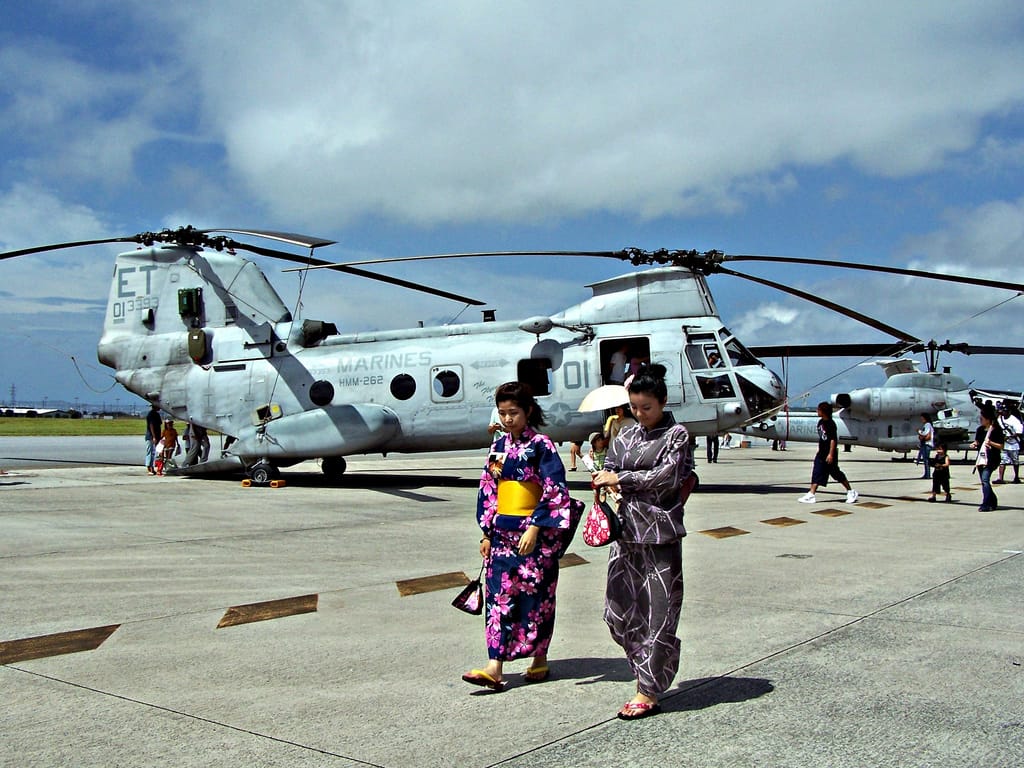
{"x":270,"y":609}
{"x":783,"y":521}
{"x":831,"y":512}
{"x":44,"y":646}
{"x":424,"y":584}
{"x":724,"y":533}
{"x":436,"y":583}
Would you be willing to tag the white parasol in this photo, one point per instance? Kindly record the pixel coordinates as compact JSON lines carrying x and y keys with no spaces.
{"x":602,"y":398}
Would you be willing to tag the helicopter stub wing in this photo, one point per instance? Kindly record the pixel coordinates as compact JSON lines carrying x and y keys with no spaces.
{"x":335,"y":430}
{"x":223,"y":466}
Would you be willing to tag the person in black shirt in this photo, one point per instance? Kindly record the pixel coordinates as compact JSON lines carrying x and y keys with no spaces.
{"x":826,"y":461}
{"x":154,"y":425}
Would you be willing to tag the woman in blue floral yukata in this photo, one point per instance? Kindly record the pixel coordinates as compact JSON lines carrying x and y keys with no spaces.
{"x":527,"y":518}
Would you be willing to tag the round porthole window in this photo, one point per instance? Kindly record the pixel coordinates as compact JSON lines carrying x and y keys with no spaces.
{"x":403,"y":386}
{"x":321,"y":393}
{"x":446,"y":383}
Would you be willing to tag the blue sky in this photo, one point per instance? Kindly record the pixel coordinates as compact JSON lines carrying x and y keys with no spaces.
{"x":888,"y":133}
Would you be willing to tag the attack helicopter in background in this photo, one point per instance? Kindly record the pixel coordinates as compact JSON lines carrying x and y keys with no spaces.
{"x":888,"y":417}
{"x":195,"y":328}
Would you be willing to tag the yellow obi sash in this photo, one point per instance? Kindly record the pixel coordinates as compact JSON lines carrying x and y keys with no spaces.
{"x":518,"y":498}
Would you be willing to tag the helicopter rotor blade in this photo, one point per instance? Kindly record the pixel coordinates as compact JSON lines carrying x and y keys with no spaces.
{"x":190,"y":237}
{"x":830,"y":350}
{"x":870,"y":349}
{"x":59,"y":246}
{"x":314,"y":263}
{"x":706,"y":262}
{"x":878,"y":268}
{"x":984,"y":349}
{"x":870,"y":321}
{"x":478,"y":255}
{"x":292,"y":238}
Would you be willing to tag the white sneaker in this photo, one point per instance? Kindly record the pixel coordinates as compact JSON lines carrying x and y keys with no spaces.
{"x":807,"y":498}
{"x":851,"y":496}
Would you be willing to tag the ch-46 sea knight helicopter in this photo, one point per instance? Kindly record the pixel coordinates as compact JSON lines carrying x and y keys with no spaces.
{"x":888,"y":417}
{"x":198,"y":330}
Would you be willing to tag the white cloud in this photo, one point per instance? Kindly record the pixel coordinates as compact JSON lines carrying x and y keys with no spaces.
{"x":464,"y":111}
{"x":80,"y":120}
{"x":985,"y":241}
{"x":762,"y":316}
{"x":324,"y":115}
{"x":56,"y":284}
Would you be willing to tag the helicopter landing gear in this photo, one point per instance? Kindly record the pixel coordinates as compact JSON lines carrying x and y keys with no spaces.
{"x":263,"y":473}
{"x":333,"y":467}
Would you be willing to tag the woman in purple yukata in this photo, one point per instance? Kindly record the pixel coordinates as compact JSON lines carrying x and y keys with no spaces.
{"x":524,"y":511}
{"x":651,"y":462}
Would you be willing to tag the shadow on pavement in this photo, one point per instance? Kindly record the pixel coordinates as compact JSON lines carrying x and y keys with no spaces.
{"x":709,"y":691}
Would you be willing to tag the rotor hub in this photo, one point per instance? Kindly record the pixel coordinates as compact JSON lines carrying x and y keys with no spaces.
{"x":705,"y":262}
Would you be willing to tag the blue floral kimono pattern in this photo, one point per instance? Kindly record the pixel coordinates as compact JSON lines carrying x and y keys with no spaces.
{"x":520,"y":601}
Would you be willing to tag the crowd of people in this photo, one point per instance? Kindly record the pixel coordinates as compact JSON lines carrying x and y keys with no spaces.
{"x":163,"y":444}
{"x":528,"y":518}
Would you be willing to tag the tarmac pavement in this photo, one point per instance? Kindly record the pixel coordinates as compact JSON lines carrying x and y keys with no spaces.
{"x":885,"y":633}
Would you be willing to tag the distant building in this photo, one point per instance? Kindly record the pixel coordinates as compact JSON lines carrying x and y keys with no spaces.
{"x":42,"y":413}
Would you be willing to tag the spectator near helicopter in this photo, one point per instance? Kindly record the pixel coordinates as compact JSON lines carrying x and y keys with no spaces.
{"x":1010,"y":422}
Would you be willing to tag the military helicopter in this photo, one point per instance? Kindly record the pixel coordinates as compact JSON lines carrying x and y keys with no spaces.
{"x":198,"y":330}
{"x":888,"y":417}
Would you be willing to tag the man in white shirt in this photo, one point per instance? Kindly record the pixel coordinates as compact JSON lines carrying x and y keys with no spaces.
{"x":1011,"y":425}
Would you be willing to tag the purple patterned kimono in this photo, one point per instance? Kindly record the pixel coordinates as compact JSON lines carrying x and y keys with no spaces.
{"x":520,"y":603}
{"x":644,"y":594}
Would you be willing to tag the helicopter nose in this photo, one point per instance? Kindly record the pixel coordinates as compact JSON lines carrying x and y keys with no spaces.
{"x":763,"y":391}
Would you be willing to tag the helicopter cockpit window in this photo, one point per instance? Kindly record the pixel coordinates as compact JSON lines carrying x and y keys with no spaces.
{"x":706,"y":355}
{"x":715,"y":387}
{"x":738,"y":354}
{"x":536,"y":371}
{"x":447,"y":384}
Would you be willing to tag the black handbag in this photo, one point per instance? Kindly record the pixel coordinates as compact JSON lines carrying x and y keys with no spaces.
{"x":471,"y":598}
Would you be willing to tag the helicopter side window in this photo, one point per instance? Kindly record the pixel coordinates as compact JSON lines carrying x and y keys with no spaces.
{"x":715,"y":387}
{"x":536,"y":371}
{"x":622,"y":357}
{"x":403,"y":386}
{"x":447,"y":383}
{"x":321,"y":392}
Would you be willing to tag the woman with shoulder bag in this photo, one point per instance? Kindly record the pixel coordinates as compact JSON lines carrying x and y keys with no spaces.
{"x":527,"y":518}
{"x":651,"y":464}
{"x":989,"y":442}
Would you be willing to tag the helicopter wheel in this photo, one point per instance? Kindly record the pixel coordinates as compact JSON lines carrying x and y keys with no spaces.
{"x":262,"y":473}
{"x":333,"y":466}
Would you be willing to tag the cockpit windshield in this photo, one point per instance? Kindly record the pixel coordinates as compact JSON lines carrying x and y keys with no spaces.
{"x":738,"y":354}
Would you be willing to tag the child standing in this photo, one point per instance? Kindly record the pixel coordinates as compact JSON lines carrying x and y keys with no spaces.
{"x":598,"y":449}
{"x":169,"y":438}
{"x":940,"y":472}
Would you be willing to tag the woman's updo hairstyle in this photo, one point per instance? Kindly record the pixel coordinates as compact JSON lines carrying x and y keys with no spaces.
{"x":519,"y":392}
{"x":650,"y":380}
